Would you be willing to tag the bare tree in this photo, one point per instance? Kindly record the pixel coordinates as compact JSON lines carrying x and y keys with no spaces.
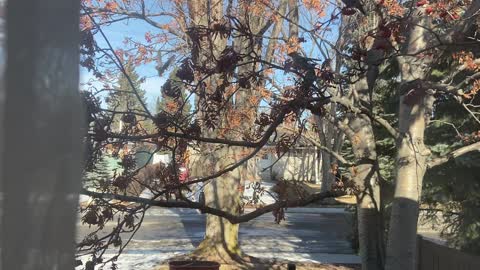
{"x":223,"y":63}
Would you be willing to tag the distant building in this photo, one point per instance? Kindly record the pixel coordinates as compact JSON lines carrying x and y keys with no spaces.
{"x":300,"y":163}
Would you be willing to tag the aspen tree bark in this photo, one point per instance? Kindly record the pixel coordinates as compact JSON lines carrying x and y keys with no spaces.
{"x":412,"y":153}
{"x":221,"y":236}
{"x":326,"y":134}
{"x":359,"y":131}
{"x":365,"y":176}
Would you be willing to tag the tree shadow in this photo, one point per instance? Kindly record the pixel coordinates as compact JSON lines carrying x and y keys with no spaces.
{"x":296,"y":238}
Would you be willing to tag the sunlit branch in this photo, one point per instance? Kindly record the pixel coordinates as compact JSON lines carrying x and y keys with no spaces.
{"x":316,"y":143}
{"x":454,"y":154}
{"x":214,"y":211}
{"x":360,"y":109}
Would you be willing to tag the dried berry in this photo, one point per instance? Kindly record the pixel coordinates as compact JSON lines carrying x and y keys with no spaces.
{"x":348,"y":11}
{"x":117,"y":241}
{"x":90,"y":265}
{"x":100,"y":135}
{"x":172,"y":89}
{"x":244,"y":82}
{"x":129,"y":118}
{"x":162,"y":120}
{"x":228,"y":60}
{"x":263,"y":119}
{"x":221,"y":28}
{"x":129,"y":221}
{"x":90,"y":217}
{"x":121,"y":182}
{"x":194,"y":129}
{"x":107,"y":214}
{"x":185,"y":72}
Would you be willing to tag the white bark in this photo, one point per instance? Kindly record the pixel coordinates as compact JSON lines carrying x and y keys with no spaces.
{"x":370,"y":223}
{"x":412,"y":153}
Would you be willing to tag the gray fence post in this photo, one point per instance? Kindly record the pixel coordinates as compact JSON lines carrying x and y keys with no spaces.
{"x":42,"y":135}
{"x":419,"y":251}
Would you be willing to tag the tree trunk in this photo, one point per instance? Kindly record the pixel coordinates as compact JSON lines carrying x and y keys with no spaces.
{"x":326,"y":134}
{"x":411,"y":165}
{"x":42,"y":155}
{"x":365,"y":176}
{"x":327,"y":177}
{"x":412,"y":153}
{"x":221,"y":237}
{"x":359,"y":131}
{"x":370,"y":222}
{"x":410,"y":170}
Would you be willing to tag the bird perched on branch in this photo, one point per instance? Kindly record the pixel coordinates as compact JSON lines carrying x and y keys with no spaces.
{"x":357,"y":4}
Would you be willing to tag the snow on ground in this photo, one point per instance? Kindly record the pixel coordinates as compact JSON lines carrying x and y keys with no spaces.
{"x":266,"y":197}
{"x":147,"y":259}
{"x":168,"y":232}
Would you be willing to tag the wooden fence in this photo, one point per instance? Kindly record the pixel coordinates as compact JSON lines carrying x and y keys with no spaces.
{"x":432,"y":256}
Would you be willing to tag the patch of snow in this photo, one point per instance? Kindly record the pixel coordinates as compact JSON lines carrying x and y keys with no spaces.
{"x":313,"y":258}
{"x":266,"y":197}
{"x":146,"y":193}
{"x":183,"y":212}
{"x":129,"y":261}
{"x":149,"y":260}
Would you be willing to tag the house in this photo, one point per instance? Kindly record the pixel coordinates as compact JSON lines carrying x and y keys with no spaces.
{"x":300,"y":163}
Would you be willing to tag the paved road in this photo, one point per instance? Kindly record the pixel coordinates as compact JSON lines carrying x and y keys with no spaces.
{"x":308,"y":234}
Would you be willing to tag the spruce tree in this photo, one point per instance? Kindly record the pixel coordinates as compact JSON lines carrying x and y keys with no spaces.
{"x":451,"y":187}
{"x":124,"y":98}
{"x":103,"y":171}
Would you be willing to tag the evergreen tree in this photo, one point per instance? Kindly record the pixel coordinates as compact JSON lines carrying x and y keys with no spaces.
{"x":452,"y":187}
{"x":124,"y":99}
{"x":103,"y":171}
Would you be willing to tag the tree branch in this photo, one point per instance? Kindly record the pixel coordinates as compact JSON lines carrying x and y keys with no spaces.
{"x":235,"y":219}
{"x":119,"y":64}
{"x":326,"y":149}
{"x":362,"y":110}
{"x":454,"y":154}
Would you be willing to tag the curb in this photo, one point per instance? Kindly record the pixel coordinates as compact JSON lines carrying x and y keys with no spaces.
{"x":310,"y":210}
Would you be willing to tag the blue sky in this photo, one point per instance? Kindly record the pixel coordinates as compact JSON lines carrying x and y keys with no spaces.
{"x":136,"y":29}
{"x":116,"y":34}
